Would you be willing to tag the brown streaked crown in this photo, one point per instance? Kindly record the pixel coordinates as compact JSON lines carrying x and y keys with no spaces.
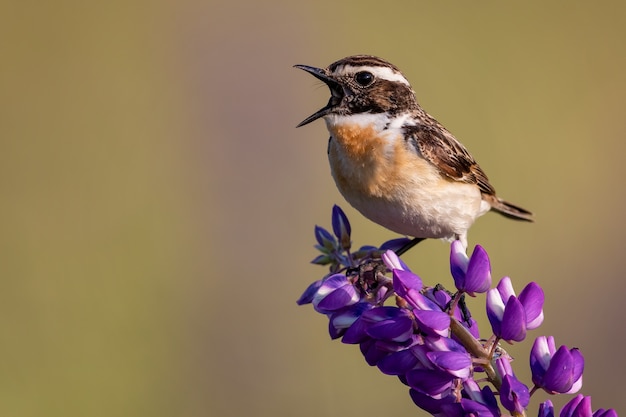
{"x":362,"y":61}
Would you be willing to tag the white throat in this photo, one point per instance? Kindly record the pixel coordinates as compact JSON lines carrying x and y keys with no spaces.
{"x":377,"y":121}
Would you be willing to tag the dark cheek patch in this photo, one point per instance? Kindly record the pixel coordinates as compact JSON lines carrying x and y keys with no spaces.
{"x":384,"y":96}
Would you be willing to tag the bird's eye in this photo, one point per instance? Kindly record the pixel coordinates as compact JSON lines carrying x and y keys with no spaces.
{"x":364,"y":78}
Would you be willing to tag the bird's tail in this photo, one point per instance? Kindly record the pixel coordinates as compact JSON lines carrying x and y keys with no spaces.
{"x":510,"y":210}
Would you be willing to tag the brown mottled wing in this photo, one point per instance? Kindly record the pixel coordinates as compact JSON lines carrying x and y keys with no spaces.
{"x":439,"y":147}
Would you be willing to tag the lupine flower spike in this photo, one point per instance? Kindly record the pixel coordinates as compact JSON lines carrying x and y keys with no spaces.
{"x":425,"y":335}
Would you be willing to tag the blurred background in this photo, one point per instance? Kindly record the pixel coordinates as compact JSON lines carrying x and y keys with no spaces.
{"x":158,"y":204}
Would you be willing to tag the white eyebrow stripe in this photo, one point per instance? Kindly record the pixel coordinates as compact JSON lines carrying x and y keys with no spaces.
{"x":385,"y":73}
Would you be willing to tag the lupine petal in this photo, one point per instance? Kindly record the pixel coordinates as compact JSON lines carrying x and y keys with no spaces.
{"x":583,"y":409}
{"x":444,"y":344}
{"x":513,"y":394}
{"x":456,"y":364}
{"x":341,"y":226}
{"x":322,"y":260}
{"x":478,"y":275}
{"x":458,"y":263}
{"x":569,"y":408}
{"x":546,"y":409}
{"x":472,"y":390}
{"x":559,"y":376}
{"x":335,"y":332}
{"x":391,"y":346}
{"x":601,"y":412}
{"x":576,"y":386}
{"x":404,"y":281}
{"x":324,"y":238}
{"x":378,"y":314}
{"x":395,"y":330}
{"x":551,"y":346}
{"x":481,"y":401}
{"x":439,"y":297}
{"x":331,"y":283}
{"x":540,"y":359}
{"x":579,"y":406}
{"x":392,"y":261}
{"x":371,"y":352}
{"x":503,"y":366}
{"x":420,"y":351}
{"x":420,"y":301}
{"x":356,"y":333}
{"x":337,"y":299}
{"x":398,"y":363}
{"x":388,"y":323}
{"x":433,"y":322}
{"x":577,"y":372}
{"x":429,"y":382}
{"x":432,"y":405}
{"x":474,"y":408}
{"x":495,"y":310}
{"x":345,"y":318}
{"x":532,"y":298}
{"x":309,"y":293}
{"x":513,"y":321}
{"x":505,"y":288}
{"x":335,"y":292}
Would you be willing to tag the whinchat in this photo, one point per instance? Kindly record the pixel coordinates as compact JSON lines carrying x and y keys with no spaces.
{"x":394,"y":162}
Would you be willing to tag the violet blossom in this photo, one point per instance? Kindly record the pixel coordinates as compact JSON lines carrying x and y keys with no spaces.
{"x":426,"y":336}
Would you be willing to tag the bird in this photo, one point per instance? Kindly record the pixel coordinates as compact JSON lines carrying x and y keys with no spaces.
{"x":393,"y":162}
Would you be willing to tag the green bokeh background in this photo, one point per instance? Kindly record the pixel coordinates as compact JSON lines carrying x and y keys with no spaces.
{"x":158,"y":204}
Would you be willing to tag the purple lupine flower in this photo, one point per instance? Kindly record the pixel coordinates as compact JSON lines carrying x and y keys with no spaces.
{"x":334,"y":293}
{"x":326,"y":244}
{"x":341,"y":227}
{"x":392,"y":261}
{"x":341,"y":320}
{"x":447,"y":355}
{"x":429,"y":317}
{"x":405,"y":281}
{"x":372,"y":351}
{"x":432,"y":323}
{"x":431,"y":382}
{"x":388,"y":323}
{"x":356,"y":333}
{"x":456,"y":364}
{"x":514,"y":395}
{"x":437,"y":406}
{"x":601,"y":412}
{"x":325,"y":240}
{"x":480,"y":402}
{"x":511,"y":316}
{"x":556,"y":370}
{"x":309,"y":293}
{"x":442,"y":300}
{"x":546,"y":409}
{"x":420,"y":341}
{"x":580,"y":406}
{"x":399,"y":363}
{"x":471,"y":275}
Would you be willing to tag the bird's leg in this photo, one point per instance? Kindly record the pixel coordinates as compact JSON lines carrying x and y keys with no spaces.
{"x":409,"y":245}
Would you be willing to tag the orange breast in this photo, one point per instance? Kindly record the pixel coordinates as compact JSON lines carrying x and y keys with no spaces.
{"x":372,"y":163}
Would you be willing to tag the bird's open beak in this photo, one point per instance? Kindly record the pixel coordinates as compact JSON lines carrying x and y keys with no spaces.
{"x":336,"y":92}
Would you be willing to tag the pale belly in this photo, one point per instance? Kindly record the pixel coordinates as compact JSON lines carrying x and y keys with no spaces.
{"x":421,"y":211}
